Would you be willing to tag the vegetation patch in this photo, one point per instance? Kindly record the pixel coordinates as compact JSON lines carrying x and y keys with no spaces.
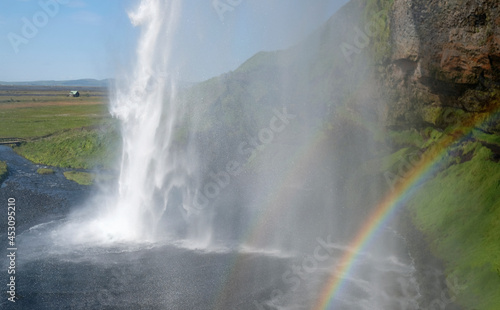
{"x":82,"y":178}
{"x":431,"y":136}
{"x":459,"y":212}
{"x":4,"y":172}
{"x":432,"y":114}
{"x":45,"y":171}
{"x":377,"y":12}
{"x":40,"y":121}
{"x":60,"y":131}
{"x":84,"y":148}
{"x":487,"y":138}
{"x":409,"y":137}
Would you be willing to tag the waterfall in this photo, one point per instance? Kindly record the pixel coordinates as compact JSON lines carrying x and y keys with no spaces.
{"x":153,"y":175}
{"x":145,"y":104}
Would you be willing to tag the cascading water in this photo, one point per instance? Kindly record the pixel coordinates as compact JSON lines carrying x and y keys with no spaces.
{"x":145,"y":104}
{"x":152,"y":174}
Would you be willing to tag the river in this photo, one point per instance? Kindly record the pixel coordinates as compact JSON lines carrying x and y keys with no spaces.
{"x":168,"y":275}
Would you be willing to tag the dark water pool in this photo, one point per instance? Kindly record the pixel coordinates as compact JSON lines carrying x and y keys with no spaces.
{"x":168,"y":275}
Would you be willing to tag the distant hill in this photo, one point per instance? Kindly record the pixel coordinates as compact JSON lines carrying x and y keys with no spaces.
{"x":81,"y":83}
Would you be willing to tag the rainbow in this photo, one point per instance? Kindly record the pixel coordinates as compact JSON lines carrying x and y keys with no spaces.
{"x":389,"y":204}
{"x":383,"y":212}
{"x":395,"y":199}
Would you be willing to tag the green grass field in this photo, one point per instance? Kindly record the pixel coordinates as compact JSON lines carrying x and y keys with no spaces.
{"x":31,"y":112}
{"x":81,"y":148}
{"x":39,"y":121}
{"x":60,"y":131}
{"x":44,"y":94}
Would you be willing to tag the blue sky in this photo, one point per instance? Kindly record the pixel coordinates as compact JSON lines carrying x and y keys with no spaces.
{"x":72,"y":39}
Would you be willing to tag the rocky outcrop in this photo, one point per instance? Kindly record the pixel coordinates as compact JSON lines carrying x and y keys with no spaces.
{"x":445,"y":54}
{"x":443,"y":72}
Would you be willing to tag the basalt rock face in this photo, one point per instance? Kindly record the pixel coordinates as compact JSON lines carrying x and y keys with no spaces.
{"x":443,"y":72}
{"x":445,"y":54}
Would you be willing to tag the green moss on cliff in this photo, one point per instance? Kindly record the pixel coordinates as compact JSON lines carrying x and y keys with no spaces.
{"x":377,"y":26}
{"x":431,"y":136}
{"x":487,"y":138}
{"x":431,"y":114}
{"x":405,"y":138}
{"x":459,"y":211}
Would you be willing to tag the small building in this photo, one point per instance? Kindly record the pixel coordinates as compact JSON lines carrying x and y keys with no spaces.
{"x":74,"y":93}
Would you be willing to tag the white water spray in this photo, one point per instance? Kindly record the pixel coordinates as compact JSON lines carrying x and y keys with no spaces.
{"x":151,"y":171}
{"x":140,"y":105}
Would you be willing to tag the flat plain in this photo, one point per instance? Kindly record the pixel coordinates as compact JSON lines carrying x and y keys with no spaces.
{"x":31,"y":112}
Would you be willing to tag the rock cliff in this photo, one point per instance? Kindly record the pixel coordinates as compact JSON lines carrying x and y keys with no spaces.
{"x":444,"y":60}
{"x":439,"y":85}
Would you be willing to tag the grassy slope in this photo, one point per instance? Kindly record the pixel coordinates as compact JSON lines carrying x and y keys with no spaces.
{"x":458,"y":210}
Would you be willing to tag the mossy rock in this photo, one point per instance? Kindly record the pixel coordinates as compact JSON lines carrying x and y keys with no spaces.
{"x":431,"y":114}
{"x":45,"y":171}
{"x":451,"y":117}
{"x":409,"y":137}
{"x":82,"y":178}
{"x":4,"y":172}
{"x":431,"y":135}
{"x":487,"y":138}
{"x":377,"y":12}
{"x":476,"y":100}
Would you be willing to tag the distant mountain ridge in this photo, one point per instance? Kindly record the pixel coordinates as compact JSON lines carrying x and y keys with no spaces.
{"x":80,"y":82}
